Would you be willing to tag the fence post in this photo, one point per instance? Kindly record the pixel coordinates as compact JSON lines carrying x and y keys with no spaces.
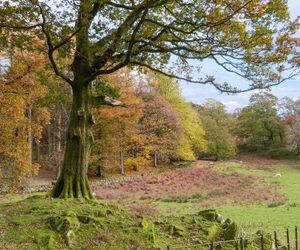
{"x":296,"y":238}
{"x":275,"y":239}
{"x":262,"y":242}
{"x":241,"y":243}
{"x":211,"y":246}
{"x":288,"y":239}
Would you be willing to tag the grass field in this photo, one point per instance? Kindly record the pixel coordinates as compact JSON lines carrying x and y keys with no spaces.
{"x":267,"y":215}
{"x":246,"y":191}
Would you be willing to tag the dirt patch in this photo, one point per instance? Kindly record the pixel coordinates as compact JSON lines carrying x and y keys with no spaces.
{"x":201,"y":184}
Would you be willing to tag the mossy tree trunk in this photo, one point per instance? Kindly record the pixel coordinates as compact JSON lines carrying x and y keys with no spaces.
{"x":73,"y":180}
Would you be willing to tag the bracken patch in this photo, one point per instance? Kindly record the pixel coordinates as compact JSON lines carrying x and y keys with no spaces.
{"x":202,"y":184}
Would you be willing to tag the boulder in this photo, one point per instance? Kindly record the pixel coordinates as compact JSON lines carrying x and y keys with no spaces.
{"x":209,"y":214}
{"x":66,"y":224}
{"x":230,"y":232}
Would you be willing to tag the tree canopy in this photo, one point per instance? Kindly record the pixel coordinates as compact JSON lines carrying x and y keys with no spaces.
{"x":217,"y":124}
{"x":192,"y":144}
{"x":259,"y":123}
{"x":248,"y":38}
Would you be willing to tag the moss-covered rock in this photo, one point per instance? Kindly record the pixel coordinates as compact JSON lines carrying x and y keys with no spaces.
{"x":63,"y":223}
{"x":73,"y":224}
{"x":230,"y":231}
{"x":67,"y":225}
{"x":209,"y":214}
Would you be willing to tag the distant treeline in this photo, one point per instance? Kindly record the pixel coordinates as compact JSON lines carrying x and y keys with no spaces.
{"x":156,"y":125}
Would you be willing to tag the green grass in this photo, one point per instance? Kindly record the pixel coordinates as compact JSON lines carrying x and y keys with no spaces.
{"x":39,"y":222}
{"x":243,"y":169}
{"x":32,"y":223}
{"x":265,"y":216}
{"x":250,"y":218}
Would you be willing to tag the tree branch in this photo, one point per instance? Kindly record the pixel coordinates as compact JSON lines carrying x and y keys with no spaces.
{"x":8,"y":26}
{"x":19,"y":77}
{"x":224,"y":88}
{"x":98,"y":101}
{"x":51,"y":49}
{"x":115,"y":37}
{"x":66,"y":40}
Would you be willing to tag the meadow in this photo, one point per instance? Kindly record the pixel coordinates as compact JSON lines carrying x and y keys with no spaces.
{"x":257,"y":193}
{"x":162,"y":208}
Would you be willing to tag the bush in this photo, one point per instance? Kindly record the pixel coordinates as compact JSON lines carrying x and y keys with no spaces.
{"x":280,"y":152}
{"x":136,"y":162}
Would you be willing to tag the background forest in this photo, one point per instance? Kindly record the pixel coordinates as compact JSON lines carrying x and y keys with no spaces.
{"x":156,"y":126}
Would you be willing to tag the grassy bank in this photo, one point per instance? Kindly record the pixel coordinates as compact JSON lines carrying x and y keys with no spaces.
{"x":39,"y":222}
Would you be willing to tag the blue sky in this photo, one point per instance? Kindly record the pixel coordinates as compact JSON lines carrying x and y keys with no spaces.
{"x":198,"y":93}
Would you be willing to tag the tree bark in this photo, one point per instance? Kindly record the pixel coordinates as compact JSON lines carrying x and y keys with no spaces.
{"x":30,"y":139}
{"x":73,"y":180}
{"x":155,"y":159}
{"x":122,"y":161}
{"x":38,"y":151}
{"x":49,"y":142}
{"x":99,"y":171}
{"x":59,"y":129}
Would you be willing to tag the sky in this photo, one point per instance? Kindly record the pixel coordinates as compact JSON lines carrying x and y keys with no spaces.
{"x":199,"y":93}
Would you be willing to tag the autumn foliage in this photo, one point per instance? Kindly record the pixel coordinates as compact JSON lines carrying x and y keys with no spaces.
{"x":21,"y":118}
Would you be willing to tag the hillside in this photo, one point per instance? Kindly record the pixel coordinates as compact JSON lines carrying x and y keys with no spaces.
{"x":39,"y":222}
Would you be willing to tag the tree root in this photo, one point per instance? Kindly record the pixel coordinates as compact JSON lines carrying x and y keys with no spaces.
{"x":68,"y":187}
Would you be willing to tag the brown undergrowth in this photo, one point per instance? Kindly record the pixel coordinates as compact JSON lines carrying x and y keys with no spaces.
{"x":203,"y":185}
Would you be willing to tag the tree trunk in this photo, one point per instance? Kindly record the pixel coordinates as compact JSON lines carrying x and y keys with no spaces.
{"x":30,"y":139}
{"x":59,"y":129}
{"x":73,"y":180}
{"x":38,"y":151}
{"x":122,"y":162}
{"x":49,"y":143}
{"x":54,"y":140}
{"x":99,"y":171}
{"x":155,"y":159}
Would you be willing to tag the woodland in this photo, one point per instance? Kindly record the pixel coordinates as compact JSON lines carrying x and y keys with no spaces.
{"x":91,"y":102}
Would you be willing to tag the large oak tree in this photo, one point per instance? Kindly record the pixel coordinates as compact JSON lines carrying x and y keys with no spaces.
{"x":99,"y":37}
